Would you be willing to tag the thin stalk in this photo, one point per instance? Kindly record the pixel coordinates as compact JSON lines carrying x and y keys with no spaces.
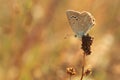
{"x":83,"y":66}
{"x":70,"y":77}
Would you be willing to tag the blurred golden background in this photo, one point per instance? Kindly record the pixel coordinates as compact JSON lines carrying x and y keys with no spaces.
{"x":32,"y":44}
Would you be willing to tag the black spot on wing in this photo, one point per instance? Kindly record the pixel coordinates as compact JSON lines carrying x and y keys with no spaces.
{"x":74,"y":17}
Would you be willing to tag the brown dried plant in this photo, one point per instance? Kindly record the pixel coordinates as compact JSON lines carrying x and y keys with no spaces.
{"x":86,"y":47}
{"x":80,"y":23}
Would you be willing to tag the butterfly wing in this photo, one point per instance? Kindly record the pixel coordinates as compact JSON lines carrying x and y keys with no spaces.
{"x":80,"y":22}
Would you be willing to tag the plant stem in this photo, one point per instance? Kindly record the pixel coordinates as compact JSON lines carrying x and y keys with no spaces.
{"x":83,"y":66}
{"x":70,"y":77}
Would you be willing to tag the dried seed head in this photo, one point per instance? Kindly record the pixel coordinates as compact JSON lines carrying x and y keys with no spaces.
{"x":88,"y":72}
{"x":86,"y":44}
{"x":71,"y":71}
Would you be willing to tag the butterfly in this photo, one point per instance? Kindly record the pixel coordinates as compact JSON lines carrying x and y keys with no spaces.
{"x":80,"y":22}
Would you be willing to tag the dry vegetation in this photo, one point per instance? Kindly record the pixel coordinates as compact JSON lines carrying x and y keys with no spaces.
{"x":32,"y":44}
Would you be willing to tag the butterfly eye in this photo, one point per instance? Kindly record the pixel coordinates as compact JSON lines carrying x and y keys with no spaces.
{"x":75,"y":35}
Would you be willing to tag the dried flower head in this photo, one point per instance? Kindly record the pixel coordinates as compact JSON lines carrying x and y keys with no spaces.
{"x":86,"y":44}
{"x":88,"y":72}
{"x":71,"y":71}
